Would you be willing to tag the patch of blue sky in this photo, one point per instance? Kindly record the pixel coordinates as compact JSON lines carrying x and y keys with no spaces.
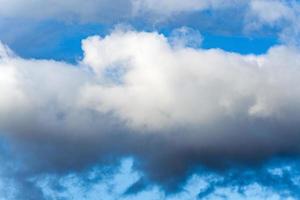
{"x":278,"y":179}
{"x":7,"y":183}
{"x":62,"y":41}
{"x":240,"y":44}
{"x":48,"y":40}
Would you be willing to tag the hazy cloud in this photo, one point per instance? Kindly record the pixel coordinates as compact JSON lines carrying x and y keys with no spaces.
{"x":278,"y":14}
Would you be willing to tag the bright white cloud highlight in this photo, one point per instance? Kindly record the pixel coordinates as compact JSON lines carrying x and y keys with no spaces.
{"x":161,"y":86}
{"x":147,"y":82}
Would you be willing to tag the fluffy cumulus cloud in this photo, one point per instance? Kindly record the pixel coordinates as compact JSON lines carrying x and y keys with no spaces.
{"x":155,"y":85}
{"x":170,"y":106}
{"x":195,"y":123}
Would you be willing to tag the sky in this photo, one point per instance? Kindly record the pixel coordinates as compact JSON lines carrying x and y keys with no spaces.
{"x":149,"y":99}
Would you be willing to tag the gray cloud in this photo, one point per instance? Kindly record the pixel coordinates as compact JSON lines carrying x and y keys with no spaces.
{"x":133,"y":94}
{"x":103,"y":10}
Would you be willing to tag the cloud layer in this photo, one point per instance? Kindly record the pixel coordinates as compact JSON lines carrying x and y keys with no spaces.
{"x":160,"y":99}
{"x":134,"y":94}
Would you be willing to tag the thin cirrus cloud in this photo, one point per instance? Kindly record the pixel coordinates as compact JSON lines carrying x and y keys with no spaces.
{"x":133,"y":94}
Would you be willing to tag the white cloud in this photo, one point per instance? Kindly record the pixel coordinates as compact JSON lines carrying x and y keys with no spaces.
{"x":163,"y":86}
{"x":280,"y":14}
{"x":35,"y":91}
{"x":147,"y":82}
{"x":210,"y":104}
{"x":271,"y":11}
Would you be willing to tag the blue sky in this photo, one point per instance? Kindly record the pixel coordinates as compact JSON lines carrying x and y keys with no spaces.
{"x":61,"y":41}
{"x":148,"y":99}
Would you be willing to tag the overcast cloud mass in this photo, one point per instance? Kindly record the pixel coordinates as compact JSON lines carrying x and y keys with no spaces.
{"x":148,"y":114}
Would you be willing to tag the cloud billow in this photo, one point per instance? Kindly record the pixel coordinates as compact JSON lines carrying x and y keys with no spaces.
{"x":133,"y":94}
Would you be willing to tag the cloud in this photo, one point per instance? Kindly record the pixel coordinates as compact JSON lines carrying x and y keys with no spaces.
{"x":169,"y":85}
{"x":77,"y":10}
{"x":103,"y":10}
{"x":134,"y":94}
{"x":278,"y":179}
{"x":185,"y":37}
{"x":107,"y":11}
{"x":280,"y":10}
{"x":248,"y":18}
{"x":167,"y":7}
{"x":278,"y":14}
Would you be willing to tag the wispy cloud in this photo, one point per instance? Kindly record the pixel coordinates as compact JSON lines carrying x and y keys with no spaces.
{"x":278,"y":179}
